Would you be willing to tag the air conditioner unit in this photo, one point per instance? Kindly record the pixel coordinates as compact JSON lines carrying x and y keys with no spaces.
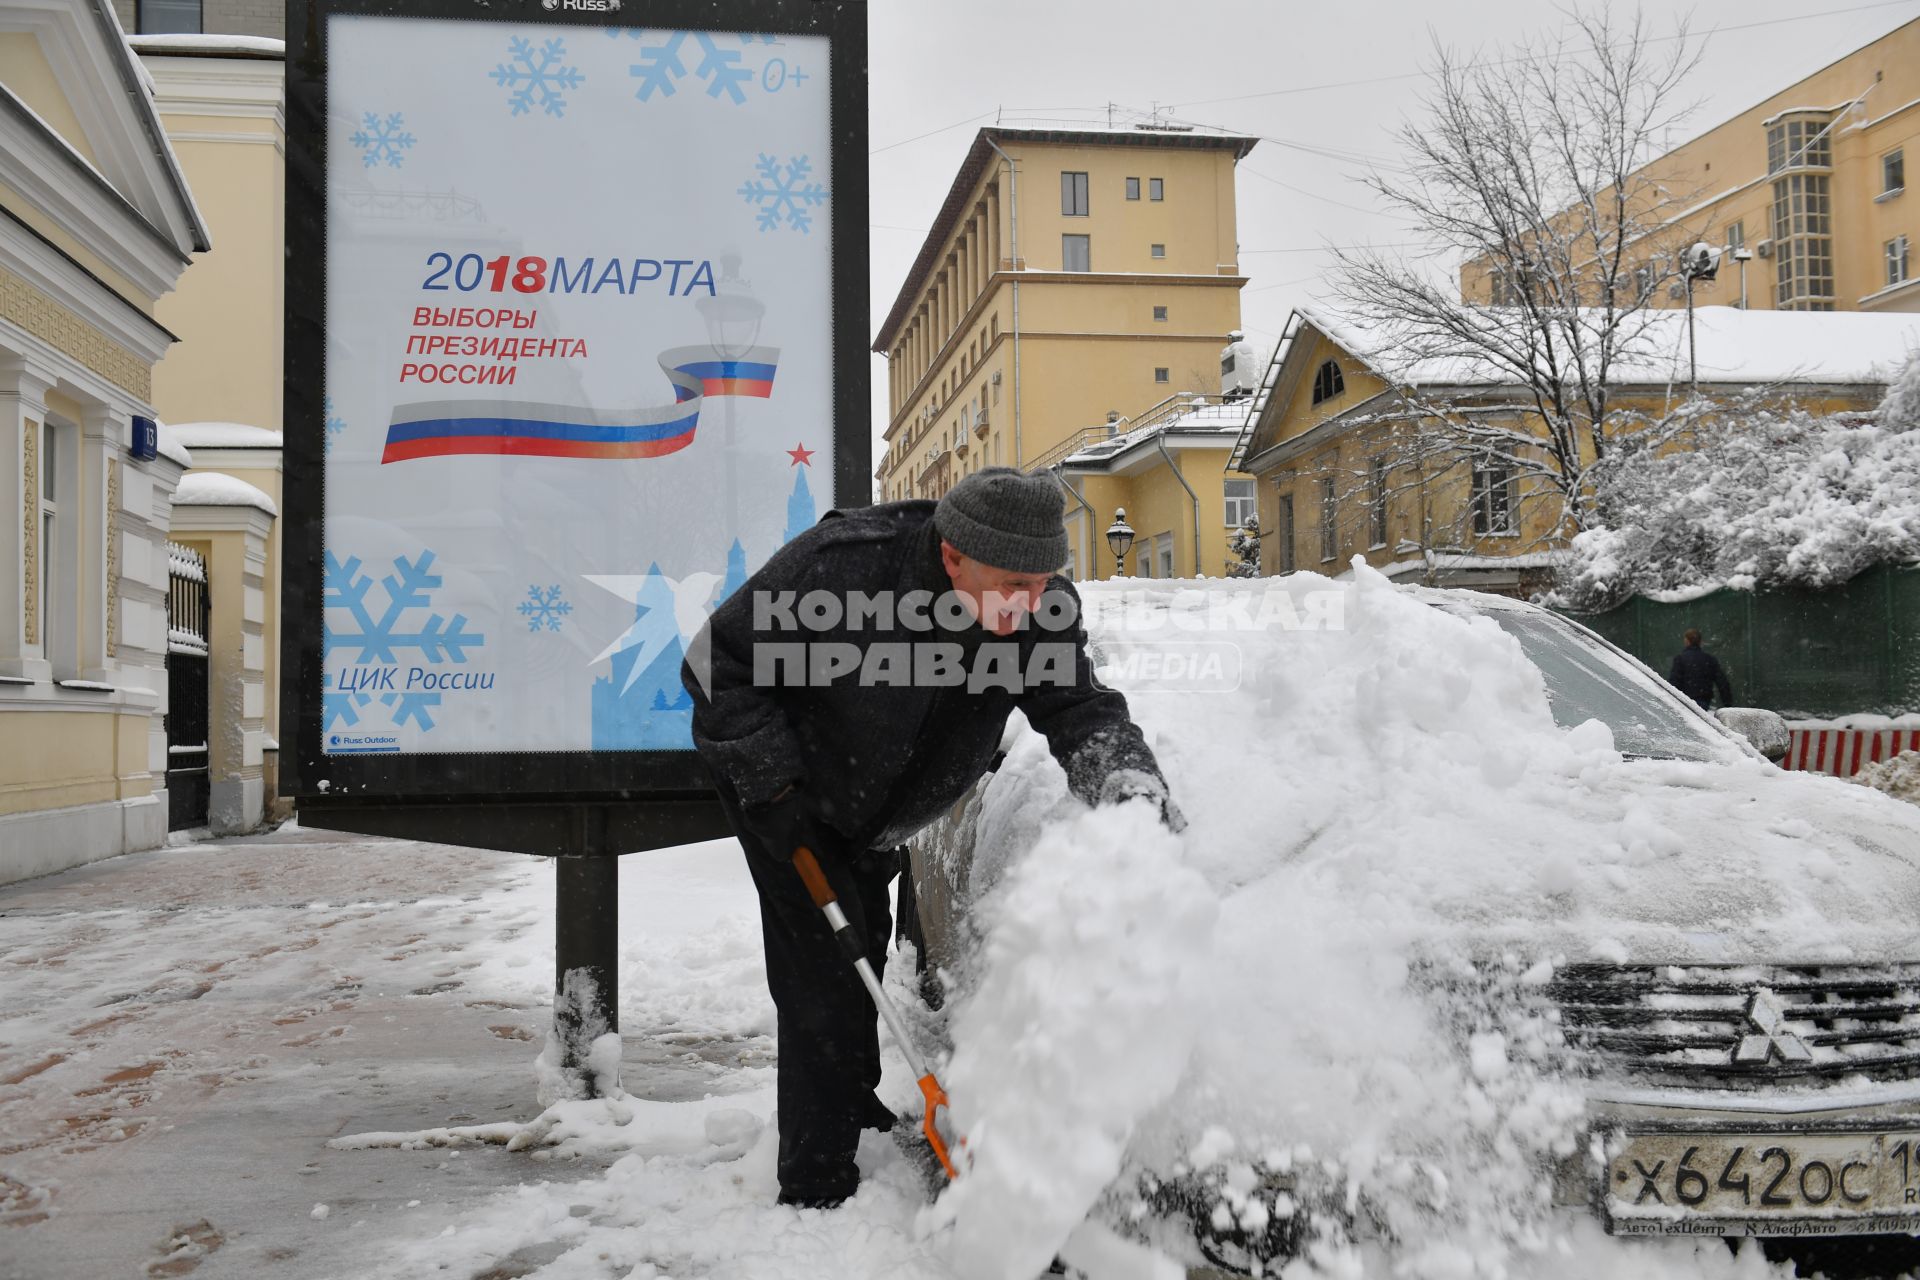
{"x":996,"y":377}
{"x":1764,"y":248}
{"x":1676,"y":290}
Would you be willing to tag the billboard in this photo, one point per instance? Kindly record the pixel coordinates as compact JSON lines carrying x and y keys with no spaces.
{"x":574,"y":308}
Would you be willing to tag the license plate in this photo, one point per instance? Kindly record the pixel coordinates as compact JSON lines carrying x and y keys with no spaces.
{"x":1765,"y":1184}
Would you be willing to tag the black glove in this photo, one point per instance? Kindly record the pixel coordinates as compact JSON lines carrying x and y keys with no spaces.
{"x":784,"y":823}
{"x":1136,"y":784}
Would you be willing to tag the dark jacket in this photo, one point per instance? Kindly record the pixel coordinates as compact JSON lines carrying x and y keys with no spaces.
{"x":1698,"y":674}
{"x":880,"y":761}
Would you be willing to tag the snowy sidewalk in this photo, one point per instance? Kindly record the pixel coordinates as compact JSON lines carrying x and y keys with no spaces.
{"x":182,"y":1032}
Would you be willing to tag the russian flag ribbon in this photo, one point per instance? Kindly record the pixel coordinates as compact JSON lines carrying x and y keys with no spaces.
{"x":437,"y":428}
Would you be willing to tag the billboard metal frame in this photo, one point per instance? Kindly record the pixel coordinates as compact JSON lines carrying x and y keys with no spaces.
{"x":564,"y":802}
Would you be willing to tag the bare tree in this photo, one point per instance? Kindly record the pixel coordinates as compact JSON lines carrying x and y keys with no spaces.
{"x":1532,"y":169}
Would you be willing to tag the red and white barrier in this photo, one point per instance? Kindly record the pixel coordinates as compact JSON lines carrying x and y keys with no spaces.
{"x":1844,"y":752}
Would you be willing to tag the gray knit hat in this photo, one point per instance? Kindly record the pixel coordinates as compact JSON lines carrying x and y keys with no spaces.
{"x":1007,"y":519}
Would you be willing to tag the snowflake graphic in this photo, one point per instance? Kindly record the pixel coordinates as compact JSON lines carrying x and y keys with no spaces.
{"x":787,"y":193}
{"x":544,"y":606}
{"x":382,"y":139}
{"x":335,"y":424}
{"x":537,"y":74}
{"x":662,"y":67}
{"x":378,"y":638}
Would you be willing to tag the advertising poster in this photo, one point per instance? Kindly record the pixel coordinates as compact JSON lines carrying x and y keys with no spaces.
{"x":578,"y":368}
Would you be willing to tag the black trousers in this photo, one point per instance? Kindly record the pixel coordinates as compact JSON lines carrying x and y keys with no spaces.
{"x":829,"y":1042}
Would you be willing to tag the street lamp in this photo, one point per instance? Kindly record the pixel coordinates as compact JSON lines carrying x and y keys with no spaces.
{"x":1743,"y":256}
{"x":1700,"y":262}
{"x":1119,"y":538}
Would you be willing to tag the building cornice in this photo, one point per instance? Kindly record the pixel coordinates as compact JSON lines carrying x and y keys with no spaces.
{"x":58,"y":181}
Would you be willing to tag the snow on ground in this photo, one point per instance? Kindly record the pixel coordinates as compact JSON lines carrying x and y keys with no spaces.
{"x":1898,"y":777}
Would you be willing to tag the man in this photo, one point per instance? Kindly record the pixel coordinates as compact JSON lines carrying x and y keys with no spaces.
{"x":848,"y":695}
{"x":1698,"y":674}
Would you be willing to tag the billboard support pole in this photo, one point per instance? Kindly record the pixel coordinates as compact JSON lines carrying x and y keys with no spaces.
{"x":586,"y":975}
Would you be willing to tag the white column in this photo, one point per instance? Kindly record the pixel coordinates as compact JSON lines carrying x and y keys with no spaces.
{"x":102,"y":429}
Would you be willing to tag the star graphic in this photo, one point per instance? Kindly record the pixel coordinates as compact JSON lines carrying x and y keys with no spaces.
{"x":801,"y":455}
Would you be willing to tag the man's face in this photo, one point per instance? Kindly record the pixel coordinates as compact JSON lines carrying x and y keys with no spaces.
{"x":997,"y":598}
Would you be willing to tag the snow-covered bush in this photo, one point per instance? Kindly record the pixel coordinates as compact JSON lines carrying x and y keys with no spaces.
{"x":1243,"y":544}
{"x":1757,"y":497}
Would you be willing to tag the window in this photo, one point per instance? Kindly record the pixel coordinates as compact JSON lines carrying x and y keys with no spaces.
{"x":1377,"y":503}
{"x":1896,"y":260}
{"x":1157,"y":250}
{"x":1803,"y":242}
{"x":1285,"y":533}
{"x":1156,"y":189}
{"x":1067,"y":570}
{"x":1239,"y":502}
{"x":1073,"y":195}
{"x":1076,"y":253}
{"x":1511,"y":286}
{"x":1492,"y":497}
{"x":1161,"y":374}
{"x":1329,"y":512}
{"x":1643,"y":277}
{"x":167,"y":17}
{"x":1143,"y":561}
{"x":1163,"y":556}
{"x":1893,"y":171}
{"x":1736,"y":236}
{"x":1160,"y":314}
{"x":1802,"y":142}
{"x":1327,"y":381}
{"x":1133,"y":188}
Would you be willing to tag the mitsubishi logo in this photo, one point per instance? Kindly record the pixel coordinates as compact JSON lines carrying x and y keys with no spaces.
{"x":1767,"y":1016}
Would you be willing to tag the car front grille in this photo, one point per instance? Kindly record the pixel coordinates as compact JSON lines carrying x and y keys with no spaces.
{"x":1735,"y":1027}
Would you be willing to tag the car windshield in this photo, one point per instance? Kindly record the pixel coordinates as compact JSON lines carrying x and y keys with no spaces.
{"x":1585,"y":682}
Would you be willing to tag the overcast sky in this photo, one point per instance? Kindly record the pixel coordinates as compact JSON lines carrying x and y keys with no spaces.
{"x":1333,"y":77}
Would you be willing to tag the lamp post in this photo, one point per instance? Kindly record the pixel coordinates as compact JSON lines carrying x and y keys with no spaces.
{"x":1119,"y":539}
{"x":1701,"y":262}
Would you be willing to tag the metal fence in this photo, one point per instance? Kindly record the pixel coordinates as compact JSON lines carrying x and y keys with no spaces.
{"x":1809,"y":655}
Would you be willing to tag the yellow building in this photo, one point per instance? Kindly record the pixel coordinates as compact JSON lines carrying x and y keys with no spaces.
{"x":1337,"y":475}
{"x":1165,"y":474}
{"x":222,"y":101}
{"x":1073,"y":273}
{"x":96,"y":225}
{"x":1810,"y":184}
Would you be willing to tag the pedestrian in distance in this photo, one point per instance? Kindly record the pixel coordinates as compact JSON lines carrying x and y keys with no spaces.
{"x":848,"y":695}
{"x":1698,"y":674}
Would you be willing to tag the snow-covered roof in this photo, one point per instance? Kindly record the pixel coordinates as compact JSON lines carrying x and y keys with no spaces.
{"x":1734,"y":346}
{"x":225,"y":435}
{"x":210,"y":46}
{"x":170,"y":445}
{"x":212,"y":489}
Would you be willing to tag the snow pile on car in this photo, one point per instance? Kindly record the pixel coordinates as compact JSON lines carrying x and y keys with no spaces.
{"x":1398,"y":838}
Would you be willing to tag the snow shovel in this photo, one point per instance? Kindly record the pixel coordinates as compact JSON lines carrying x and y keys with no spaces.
{"x":823,"y":897}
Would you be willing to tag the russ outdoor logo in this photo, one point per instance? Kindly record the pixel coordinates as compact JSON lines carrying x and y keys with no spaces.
{"x":588,"y":6}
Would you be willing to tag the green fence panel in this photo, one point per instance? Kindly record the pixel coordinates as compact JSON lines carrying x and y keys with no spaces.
{"x":1809,"y":655}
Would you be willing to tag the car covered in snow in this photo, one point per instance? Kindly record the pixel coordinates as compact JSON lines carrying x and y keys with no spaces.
{"x":1482,"y":943}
